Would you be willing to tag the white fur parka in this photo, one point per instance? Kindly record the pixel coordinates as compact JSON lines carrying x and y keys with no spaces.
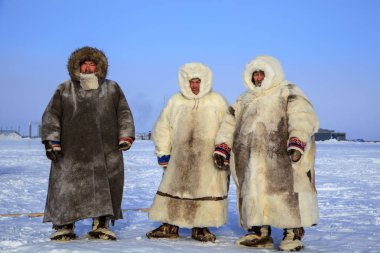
{"x":193,"y":192}
{"x":271,"y":190}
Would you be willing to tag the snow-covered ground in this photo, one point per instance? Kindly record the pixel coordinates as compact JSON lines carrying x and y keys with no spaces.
{"x":348,"y":184}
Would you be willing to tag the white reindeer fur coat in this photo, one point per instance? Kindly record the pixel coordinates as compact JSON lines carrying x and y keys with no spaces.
{"x":192,"y":193}
{"x":271,"y":190}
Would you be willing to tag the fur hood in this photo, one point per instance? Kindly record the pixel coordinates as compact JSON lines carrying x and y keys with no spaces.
{"x":89,"y":54}
{"x":194,"y":70}
{"x":274,"y":75}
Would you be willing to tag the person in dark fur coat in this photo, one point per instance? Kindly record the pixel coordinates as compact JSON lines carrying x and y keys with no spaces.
{"x":270,"y":129}
{"x":85,"y":127}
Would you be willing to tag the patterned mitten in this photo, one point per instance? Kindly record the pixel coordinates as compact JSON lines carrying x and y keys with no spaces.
{"x":296,"y":148}
{"x":53,"y":150}
{"x":221,"y":156}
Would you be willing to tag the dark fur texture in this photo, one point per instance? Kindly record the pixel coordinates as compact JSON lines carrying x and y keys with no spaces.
{"x":87,"y":54}
{"x":88,"y":180}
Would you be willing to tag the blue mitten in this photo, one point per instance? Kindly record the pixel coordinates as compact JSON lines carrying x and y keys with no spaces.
{"x":163,"y":161}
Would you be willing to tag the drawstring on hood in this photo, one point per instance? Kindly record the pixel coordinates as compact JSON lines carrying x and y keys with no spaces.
{"x":196,"y":103}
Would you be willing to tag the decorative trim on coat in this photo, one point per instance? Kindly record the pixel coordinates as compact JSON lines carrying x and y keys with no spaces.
{"x":163,"y":161}
{"x":295,"y":143}
{"x":56,"y":145}
{"x":130,"y":140}
{"x":224,"y":150}
{"x":208,"y":198}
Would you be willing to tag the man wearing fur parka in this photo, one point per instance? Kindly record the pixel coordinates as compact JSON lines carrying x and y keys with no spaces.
{"x":85,"y":128}
{"x":193,"y":192}
{"x":270,"y":129}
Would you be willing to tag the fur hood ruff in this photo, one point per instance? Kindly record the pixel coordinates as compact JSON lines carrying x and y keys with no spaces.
{"x":87,"y":54}
{"x":274,"y":75}
{"x":194,"y":70}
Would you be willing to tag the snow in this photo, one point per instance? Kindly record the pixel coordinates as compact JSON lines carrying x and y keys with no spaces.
{"x":9,"y":136}
{"x":347,"y":179}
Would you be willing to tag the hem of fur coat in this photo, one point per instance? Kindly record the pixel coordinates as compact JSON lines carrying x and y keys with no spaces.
{"x":73,"y":220}
{"x":208,"y":213}
{"x":308,"y":211}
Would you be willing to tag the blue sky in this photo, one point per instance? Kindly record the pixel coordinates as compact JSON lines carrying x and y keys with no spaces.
{"x":330,"y":48}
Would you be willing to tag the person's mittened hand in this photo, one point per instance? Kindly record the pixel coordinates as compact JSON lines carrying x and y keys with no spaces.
{"x":220,"y":161}
{"x":295,"y":155}
{"x":163,"y":161}
{"x":125,"y":143}
{"x":295,"y":149}
{"x":221,"y":156}
{"x":53,"y":150}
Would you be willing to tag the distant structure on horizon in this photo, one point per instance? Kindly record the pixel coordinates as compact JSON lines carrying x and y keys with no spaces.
{"x":326,"y":134}
{"x":144,"y":136}
{"x":9,"y":134}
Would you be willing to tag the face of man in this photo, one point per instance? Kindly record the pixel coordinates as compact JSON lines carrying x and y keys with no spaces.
{"x":195,"y":85}
{"x":258,"y":77}
{"x":88,"y":67}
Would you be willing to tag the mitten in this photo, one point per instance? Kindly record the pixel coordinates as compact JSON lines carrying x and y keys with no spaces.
{"x":53,"y":150}
{"x":221,"y":156}
{"x":295,"y":155}
{"x":296,"y":147}
{"x":163,"y":161}
{"x":125,"y":143}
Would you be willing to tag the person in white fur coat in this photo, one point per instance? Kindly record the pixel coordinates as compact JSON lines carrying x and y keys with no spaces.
{"x":270,"y":129}
{"x":193,"y":191}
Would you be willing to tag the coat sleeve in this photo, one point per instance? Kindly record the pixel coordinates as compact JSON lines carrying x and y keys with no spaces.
{"x":227,"y":128}
{"x":51,"y":118}
{"x":162,"y":133}
{"x":124,"y":117}
{"x":222,"y":108}
{"x":302,"y":118}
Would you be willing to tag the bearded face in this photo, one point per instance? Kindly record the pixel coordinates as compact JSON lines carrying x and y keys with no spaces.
{"x":258,"y":77}
{"x":88,"y":81}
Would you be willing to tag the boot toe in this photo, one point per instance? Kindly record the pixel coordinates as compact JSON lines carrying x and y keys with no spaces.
{"x":255,"y":241}
{"x":103,"y":234}
{"x":164,"y":231}
{"x":292,"y":246}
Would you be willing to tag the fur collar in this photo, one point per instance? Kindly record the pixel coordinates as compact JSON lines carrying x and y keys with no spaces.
{"x":91,"y":54}
{"x":274,"y":74}
{"x":194,"y":70}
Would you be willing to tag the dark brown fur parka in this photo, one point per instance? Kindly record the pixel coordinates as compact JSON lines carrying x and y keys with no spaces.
{"x":87,"y":181}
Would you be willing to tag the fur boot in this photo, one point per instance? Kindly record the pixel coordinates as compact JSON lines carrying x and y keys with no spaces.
{"x":257,"y":237}
{"x":63,"y":232}
{"x":292,"y":239}
{"x":164,"y":231}
{"x":203,"y":235}
{"x":100,"y":229}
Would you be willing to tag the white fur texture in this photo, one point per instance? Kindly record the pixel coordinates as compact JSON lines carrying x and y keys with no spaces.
{"x":194,"y":70}
{"x":272,"y":190}
{"x":186,"y":131}
{"x":272,"y":69}
{"x":88,"y":81}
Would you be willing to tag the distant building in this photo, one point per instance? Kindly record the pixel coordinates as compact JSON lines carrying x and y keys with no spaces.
{"x":144,"y":136}
{"x":9,"y":134}
{"x":326,"y":134}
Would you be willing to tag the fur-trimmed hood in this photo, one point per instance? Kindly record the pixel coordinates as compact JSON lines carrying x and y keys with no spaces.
{"x":87,"y":54}
{"x":194,"y":70}
{"x":274,"y":75}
